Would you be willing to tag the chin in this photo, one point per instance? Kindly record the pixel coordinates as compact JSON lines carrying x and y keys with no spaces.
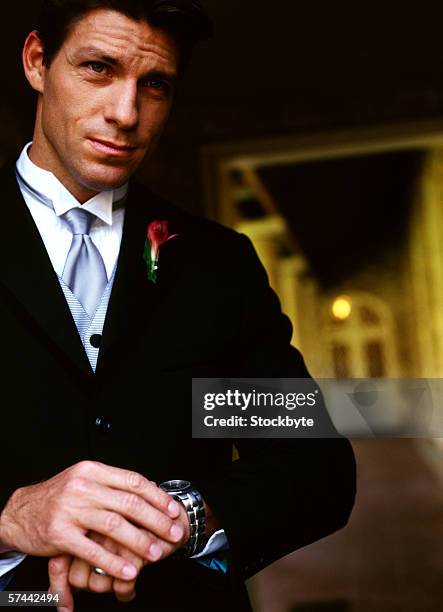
{"x":105,"y":180}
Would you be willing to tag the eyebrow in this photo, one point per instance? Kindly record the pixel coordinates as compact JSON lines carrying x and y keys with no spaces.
{"x":113,"y":61}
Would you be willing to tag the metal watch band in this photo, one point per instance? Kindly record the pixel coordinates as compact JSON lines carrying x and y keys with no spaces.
{"x":183,"y":492}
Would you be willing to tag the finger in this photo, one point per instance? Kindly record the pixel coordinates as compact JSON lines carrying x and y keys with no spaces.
{"x":105,"y":584}
{"x":97,"y":556}
{"x":132,"y":482}
{"x":142,"y":542}
{"x":125,"y":591}
{"x":58,"y":571}
{"x":100,"y":584}
{"x":123,"y":533}
{"x":79,"y":575}
{"x":82,"y":575}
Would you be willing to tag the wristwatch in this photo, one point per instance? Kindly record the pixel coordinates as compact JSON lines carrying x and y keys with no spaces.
{"x":183,"y":492}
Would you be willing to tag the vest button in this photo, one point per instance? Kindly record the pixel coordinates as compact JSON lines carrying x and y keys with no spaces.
{"x":95,"y":340}
{"x":103,"y":424}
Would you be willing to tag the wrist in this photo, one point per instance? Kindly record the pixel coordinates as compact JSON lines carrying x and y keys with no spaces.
{"x":192,"y":503}
{"x":5,"y":544}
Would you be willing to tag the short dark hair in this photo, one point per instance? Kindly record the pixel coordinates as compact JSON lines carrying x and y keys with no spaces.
{"x":186,"y":20}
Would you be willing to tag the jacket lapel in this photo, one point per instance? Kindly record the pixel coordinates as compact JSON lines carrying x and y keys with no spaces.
{"x":135,"y":300}
{"x":27,"y":274}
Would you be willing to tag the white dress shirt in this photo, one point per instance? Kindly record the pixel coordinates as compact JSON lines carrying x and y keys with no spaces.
{"x":106,"y":229}
{"x":106,"y":233}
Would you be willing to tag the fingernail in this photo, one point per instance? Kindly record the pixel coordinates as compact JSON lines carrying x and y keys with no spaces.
{"x":173,"y":509}
{"x":155,"y":552}
{"x":129,"y":571}
{"x":176,"y":532}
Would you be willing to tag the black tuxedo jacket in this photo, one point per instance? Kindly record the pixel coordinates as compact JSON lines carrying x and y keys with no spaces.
{"x":211,"y":313}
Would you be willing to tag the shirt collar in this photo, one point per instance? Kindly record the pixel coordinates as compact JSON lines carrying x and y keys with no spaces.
{"x":48,"y":184}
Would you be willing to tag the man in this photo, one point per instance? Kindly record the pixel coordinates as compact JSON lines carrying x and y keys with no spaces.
{"x":99,"y":346}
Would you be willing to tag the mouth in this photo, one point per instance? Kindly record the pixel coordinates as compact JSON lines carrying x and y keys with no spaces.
{"x":109,"y":147}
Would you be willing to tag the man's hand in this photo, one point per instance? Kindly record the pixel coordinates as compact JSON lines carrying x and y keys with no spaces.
{"x":67,"y":575}
{"x":65,"y":572}
{"x":53,"y":517}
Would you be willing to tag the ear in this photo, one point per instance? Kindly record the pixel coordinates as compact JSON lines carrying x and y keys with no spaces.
{"x":32,"y":56}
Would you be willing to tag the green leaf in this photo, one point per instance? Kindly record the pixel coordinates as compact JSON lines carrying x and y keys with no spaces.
{"x":152,"y":273}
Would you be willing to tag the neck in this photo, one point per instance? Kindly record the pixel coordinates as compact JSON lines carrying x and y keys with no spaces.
{"x":81,"y":194}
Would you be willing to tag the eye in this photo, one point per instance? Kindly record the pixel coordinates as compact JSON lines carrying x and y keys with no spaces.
{"x":97,"y":67}
{"x":157,"y":84}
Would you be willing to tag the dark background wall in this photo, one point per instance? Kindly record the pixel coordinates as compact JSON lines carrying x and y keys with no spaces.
{"x":347,"y":212}
{"x":274,"y":68}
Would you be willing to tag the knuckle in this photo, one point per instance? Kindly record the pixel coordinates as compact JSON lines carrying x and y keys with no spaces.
{"x":76,"y":485}
{"x":103,"y":585}
{"x":132,"y":504}
{"x":56,"y":566}
{"x":84,"y":468}
{"x":163,"y":523}
{"x":76,"y":580}
{"x":144,"y":542}
{"x":136,"y":481}
{"x":93,"y":556}
{"x":112,"y":523}
{"x":124,"y":588}
{"x":76,"y":575}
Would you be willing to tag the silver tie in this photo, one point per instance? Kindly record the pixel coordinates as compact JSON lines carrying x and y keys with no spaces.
{"x":84,"y":271}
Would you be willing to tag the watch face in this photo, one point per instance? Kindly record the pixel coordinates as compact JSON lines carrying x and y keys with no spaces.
{"x":175,"y":486}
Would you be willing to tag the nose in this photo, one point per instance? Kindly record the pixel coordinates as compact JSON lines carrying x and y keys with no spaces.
{"x":122,"y":105}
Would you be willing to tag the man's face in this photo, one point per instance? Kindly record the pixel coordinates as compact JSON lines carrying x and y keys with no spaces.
{"x":104,"y":101}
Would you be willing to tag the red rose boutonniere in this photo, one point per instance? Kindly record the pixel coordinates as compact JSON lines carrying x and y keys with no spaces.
{"x":157,"y":234}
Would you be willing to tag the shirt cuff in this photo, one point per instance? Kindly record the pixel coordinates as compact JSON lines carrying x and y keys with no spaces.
{"x":217,"y":541}
{"x":10,"y":560}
